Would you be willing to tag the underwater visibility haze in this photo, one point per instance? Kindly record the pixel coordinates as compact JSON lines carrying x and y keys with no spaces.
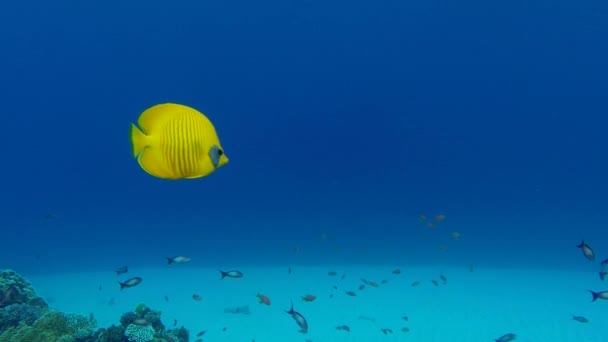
{"x":373,"y":145}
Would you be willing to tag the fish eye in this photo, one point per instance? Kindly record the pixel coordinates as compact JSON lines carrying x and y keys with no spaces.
{"x":220,"y":152}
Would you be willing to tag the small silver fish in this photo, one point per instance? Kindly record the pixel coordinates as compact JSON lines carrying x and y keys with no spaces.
{"x":300,"y":320}
{"x":506,"y":338}
{"x":231,"y":274}
{"x":587,"y":251}
{"x":177,"y":260}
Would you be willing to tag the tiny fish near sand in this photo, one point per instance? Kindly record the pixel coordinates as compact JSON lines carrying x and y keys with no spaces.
{"x":244,"y":310}
{"x":309,"y":298}
{"x":263,"y":299}
{"x":506,"y":338}
{"x":580,"y":319}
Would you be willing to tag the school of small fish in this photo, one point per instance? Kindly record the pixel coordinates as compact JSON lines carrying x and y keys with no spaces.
{"x":177,"y":142}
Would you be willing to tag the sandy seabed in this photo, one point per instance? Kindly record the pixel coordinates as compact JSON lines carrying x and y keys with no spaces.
{"x":536,"y":305}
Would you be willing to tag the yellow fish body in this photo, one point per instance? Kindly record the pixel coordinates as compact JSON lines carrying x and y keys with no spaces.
{"x":174,"y":141}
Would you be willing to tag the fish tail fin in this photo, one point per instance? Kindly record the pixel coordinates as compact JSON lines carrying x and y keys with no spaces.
{"x":224,"y":274}
{"x":122,"y":285}
{"x":139,"y":140}
{"x":595,"y":295}
{"x":169,"y":261}
{"x":290,"y":310}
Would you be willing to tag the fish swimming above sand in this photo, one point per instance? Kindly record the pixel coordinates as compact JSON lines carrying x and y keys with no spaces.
{"x":174,"y":141}
{"x":300,"y":320}
{"x":587,"y":251}
{"x":263,"y":299}
{"x":580,"y":319}
{"x":177,"y":260}
{"x":309,"y":298}
{"x":231,"y":274}
{"x":506,"y":338}
{"x":130,"y":282}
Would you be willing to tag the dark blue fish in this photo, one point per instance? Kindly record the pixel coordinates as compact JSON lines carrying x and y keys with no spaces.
{"x":598,"y":295}
{"x":300,"y":320}
{"x":587,"y":251}
{"x":580,"y":319}
{"x":506,"y":338}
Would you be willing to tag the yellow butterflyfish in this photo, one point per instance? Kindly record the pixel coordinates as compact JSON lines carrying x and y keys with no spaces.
{"x":174,"y":141}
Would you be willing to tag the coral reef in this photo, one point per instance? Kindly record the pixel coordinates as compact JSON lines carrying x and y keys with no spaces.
{"x":26,"y":317}
{"x":13,"y":315}
{"x":111,"y":334}
{"x":139,"y":333}
{"x":14,"y":289}
{"x":52,"y":326}
{"x":139,"y":323}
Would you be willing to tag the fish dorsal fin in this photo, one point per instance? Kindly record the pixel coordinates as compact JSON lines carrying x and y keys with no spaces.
{"x":156,"y":116}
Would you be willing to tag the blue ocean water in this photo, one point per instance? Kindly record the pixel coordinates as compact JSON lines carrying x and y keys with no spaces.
{"x":343,"y":120}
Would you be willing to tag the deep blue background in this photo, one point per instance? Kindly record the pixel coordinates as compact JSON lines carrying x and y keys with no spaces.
{"x":345,"y":118}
